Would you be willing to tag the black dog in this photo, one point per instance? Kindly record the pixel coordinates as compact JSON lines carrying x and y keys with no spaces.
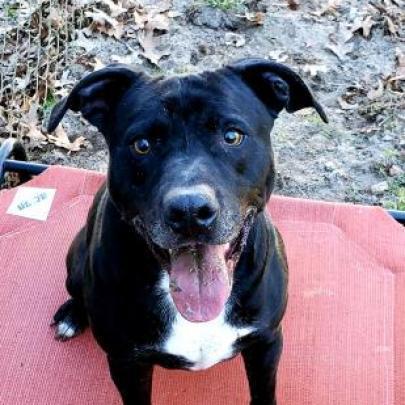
{"x":178,"y":264}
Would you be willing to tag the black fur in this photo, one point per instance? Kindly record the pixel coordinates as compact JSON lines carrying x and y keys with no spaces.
{"x":115,"y":262}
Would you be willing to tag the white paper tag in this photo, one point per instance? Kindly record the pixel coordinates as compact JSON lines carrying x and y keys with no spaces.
{"x":32,"y":202}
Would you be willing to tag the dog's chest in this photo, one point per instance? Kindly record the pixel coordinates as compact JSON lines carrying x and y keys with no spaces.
{"x":203,"y":343}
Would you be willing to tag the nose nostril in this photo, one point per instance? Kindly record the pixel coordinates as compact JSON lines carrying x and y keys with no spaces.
{"x":205,"y":216}
{"x":204,"y":213}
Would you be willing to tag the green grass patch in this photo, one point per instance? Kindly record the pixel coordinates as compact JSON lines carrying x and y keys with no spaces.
{"x":10,"y":11}
{"x":313,"y":118}
{"x":389,"y":157}
{"x":49,"y":102}
{"x":397,"y":188}
{"x":225,"y":5}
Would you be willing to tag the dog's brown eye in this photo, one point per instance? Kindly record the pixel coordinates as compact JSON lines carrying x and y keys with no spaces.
{"x":233,"y":137}
{"x":142,"y":146}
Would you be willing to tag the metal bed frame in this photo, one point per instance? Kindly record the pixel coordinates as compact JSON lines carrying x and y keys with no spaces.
{"x":13,"y":158}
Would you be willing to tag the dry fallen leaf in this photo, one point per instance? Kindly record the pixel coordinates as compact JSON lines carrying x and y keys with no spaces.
{"x":158,"y":18}
{"x":35,"y":134}
{"x":115,"y":9}
{"x":140,"y":19}
{"x":149,"y":44}
{"x":159,"y":22}
{"x":391,"y":26}
{"x":255,"y":17}
{"x":367,"y":25}
{"x":340,"y":50}
{"x":364,"y":26}
{"x":105,"y":24}
{"x":60,"y":138}
{"x":149,"y":21}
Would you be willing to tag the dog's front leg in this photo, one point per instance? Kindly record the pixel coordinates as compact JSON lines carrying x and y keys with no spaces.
{"x":133,"y":380}
{"x":261,"y":362}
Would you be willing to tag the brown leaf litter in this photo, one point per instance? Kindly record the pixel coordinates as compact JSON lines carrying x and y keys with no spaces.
{"x":60,"y":138}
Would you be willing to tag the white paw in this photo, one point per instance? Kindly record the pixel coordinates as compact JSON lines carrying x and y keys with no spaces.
{"x":65,"y":331}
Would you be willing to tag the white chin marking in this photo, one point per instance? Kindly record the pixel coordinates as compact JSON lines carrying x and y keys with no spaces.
{"x":202,"y":343}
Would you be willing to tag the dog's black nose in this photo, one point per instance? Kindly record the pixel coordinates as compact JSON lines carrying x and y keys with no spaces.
{"x":188,"y":213}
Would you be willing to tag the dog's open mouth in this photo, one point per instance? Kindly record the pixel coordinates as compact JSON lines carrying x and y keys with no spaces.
{"x":201,"y":276}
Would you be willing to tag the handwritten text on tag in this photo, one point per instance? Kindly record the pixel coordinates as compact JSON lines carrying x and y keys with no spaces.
{"x":32,"y":202}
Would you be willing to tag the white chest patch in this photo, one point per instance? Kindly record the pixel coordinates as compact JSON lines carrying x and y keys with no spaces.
{"x":202,"y":343}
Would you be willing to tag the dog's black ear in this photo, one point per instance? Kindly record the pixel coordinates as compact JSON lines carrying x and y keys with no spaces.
{"x":276,"y":85}
{"x":96,"y":95}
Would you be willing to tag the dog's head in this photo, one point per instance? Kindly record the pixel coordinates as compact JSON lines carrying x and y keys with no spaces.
{"x":191,"y":162}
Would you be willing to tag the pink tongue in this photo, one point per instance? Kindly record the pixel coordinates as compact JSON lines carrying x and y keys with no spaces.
{"x":199,"y":282}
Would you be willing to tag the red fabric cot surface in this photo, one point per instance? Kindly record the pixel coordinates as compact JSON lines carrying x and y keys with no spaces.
{"x":344,"y":327}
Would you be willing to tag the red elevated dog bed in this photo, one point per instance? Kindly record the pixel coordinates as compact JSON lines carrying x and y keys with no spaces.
{"x":344,"y":328}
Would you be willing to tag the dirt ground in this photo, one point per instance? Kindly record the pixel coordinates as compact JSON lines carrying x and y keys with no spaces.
{"x":350,"y":52}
